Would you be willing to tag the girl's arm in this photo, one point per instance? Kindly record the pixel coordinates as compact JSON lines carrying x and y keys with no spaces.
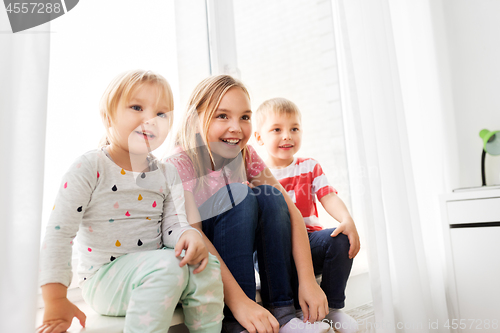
{"x":176,"y":231}
{"x":312,"y":299}
{"x":55,"y":258}
{"x":247,"y":312}
{"x":59,"y":311}
{"x":337,"y":209}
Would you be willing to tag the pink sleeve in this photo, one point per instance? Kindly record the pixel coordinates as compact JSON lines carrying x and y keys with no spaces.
{"x":255,"y":164}
{"x":186,"y":170}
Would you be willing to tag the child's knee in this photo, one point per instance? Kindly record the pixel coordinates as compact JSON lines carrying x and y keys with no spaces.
{"x":214,"y":266}
{"x":206,"y":286}
{"x":215,"y":272}
{"x":164,"y":264}
{"x":212,"y":271}
{"x":239,"y":192}
{"x":213,"y":262}
{"x":244,"y":197}
{"x":235,"y":197}
{"x":270,"y":198}
{"x":269,"y":192}
{"x":338,"y":244}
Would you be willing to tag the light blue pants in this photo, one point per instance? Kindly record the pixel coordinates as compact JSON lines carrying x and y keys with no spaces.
{"x":145,"y":287}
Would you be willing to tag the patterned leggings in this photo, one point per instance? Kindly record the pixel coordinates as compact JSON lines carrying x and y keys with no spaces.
{"x":145,"y":287}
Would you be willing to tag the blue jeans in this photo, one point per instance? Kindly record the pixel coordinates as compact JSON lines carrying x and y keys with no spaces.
{"x":330,"y":256}
{"x":253,"y":220}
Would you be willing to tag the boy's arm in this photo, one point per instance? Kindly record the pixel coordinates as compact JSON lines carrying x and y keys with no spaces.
{"x":337,"y":209}
{"x":312,"y":299}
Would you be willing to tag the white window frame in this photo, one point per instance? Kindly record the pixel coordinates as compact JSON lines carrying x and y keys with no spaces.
{"x":221,"y":38}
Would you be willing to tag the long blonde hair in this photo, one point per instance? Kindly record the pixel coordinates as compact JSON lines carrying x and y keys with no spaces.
{"x":123,"y":86}
{"x":202,"y":105}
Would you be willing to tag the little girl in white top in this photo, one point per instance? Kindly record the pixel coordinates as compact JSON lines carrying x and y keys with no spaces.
{"x":128,"y":211}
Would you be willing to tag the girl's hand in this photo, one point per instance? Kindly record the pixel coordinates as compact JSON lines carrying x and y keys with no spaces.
{"x":196,"y":250}
{"x":254,"y":318}
{"x":248,"y":184}
{"x":313,"y":301}
{"x":58,"y":316}
{"x":348,"y":228}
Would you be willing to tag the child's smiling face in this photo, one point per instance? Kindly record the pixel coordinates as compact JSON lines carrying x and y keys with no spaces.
{"x":142,"y":123}
{"x":281,"y":135}
{"x":230,"y":126}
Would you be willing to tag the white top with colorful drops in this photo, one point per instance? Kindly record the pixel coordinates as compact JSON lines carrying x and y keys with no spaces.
{"x":114,"y":212}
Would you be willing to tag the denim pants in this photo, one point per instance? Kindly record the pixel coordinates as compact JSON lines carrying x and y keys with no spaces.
{"x":330,"y":256}
{"x":242,"y":220}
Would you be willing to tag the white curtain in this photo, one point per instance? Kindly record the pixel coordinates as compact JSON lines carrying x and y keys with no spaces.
{"x":24,"y":70}
{"x":400,"y":143}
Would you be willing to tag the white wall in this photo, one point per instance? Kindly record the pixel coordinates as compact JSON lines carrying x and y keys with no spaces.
{"x":473,"y":34}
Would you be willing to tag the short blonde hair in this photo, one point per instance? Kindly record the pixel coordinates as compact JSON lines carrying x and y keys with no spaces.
{"x":277,"y":106}
{"x":202,"y":105}
{"x":122,"y":87}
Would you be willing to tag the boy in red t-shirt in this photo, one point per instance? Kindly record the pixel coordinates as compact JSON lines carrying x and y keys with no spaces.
{"x":278,"y":129}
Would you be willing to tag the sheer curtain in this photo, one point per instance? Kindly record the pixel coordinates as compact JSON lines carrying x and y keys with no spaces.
{"x":24,"y":69}
{"x":399,"y":126}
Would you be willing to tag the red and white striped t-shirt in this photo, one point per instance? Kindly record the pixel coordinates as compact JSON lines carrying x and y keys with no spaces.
{"x":303,"y":179}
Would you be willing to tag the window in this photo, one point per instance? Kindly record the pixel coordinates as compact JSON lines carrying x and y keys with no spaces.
{"x":282,"y":48}
{"x":287,"y":49}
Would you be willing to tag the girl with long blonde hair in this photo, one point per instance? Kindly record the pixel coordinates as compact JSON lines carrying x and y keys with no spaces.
{"x":240,"y":208}
{"x":128,"y":211}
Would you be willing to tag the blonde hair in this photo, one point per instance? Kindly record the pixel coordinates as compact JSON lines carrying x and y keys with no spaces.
{"x":202,"y":105}
{"x":276,"y":106}
{"x":122,"y":87}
